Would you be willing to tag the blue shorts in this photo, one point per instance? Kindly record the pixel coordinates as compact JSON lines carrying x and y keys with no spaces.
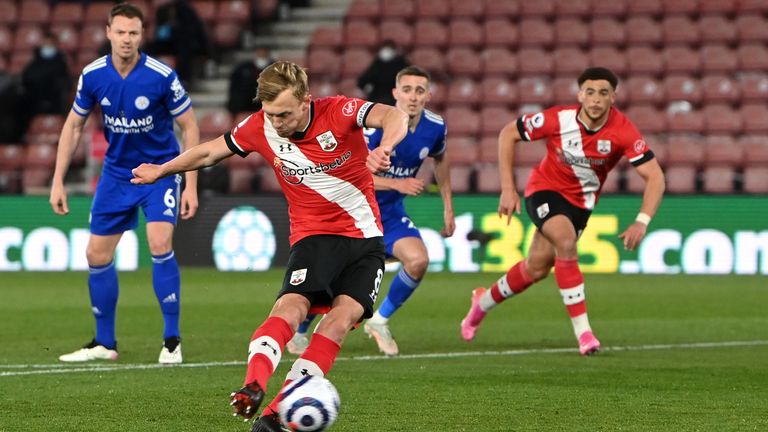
{"x":115,"y":207}
{"x":397,"y":225}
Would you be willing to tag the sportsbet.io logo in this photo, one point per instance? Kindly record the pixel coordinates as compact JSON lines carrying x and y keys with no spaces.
{"x":244,"y":240}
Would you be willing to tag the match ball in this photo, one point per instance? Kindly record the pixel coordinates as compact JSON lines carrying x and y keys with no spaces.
{"x":309,"y":404}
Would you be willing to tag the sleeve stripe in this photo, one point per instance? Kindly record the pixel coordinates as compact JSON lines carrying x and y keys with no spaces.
{"x":159,"y":65}
{"x":521,"y":129}
{"x":183,"y":107}
{"x":83,"y":112}
{"x":641,"y":159}
{"x":362,"y":114}
{"x":233,"y":145}
{"x":156,"y":69}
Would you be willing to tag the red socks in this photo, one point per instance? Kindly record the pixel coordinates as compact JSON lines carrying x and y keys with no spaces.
{"x":571,"y":283}
{"x":265,"y":350}
{"x":514,"y":282}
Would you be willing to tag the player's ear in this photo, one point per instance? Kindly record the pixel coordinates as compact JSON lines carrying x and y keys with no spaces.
{"x":580,"y":95}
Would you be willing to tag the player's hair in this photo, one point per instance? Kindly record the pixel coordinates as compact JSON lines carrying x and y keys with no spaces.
{"x":599,"y":73}
{"x":279,"y":76}
{"x":127,"y":10}
{"x":414,"y":71}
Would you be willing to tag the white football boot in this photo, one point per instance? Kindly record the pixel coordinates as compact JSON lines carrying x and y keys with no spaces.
{"x":298,"y":344}
{"x":380,"y":332}
{"x":171,"y":354}
{"x":91,"y":351}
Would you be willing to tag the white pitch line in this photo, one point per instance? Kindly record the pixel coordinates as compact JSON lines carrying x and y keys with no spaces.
{"x":58,"y":368}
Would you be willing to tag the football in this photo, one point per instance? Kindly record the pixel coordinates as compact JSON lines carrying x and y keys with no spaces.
{"x":309,"y":404}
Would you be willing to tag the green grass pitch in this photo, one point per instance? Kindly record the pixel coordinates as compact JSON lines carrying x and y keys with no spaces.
{"x":682,"y":353}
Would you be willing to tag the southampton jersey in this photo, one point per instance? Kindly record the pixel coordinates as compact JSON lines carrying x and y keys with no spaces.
{"x":138,"y":111}
{"x":322,"y":170}
{"x":428,"y":139}
{"x":578,"y":160}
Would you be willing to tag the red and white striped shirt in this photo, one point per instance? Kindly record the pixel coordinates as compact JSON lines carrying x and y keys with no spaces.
{"x":322,"y":170}
{"x":578,"y":159}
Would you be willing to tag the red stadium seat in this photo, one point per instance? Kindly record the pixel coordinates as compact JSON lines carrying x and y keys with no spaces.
{"x":570,"y":61}
{"x":609,"y":57}
{"x":758,"y":6}
{"x":642,"y":30}
{"x":12,"y":156}
{"x":690,"y":7}
{"x":753,"y":57}
{"x":488,"y":178}
{"x":28,"y":37}
{"x":461,"y":179}
{"x":682,"y":88}
{"x":206,"y":10}
{"x":681,"y":59}
{"x":538,"y":9}
{"x":500,"y":32}
{"x":644,"y":90}
{"x":267,"y":180}
{"x":6,"y":40}
{"x":751,"y":28}
{"x":324,"y":88}
{"x":214,"y":123}
{"x":432,"y":9}
{"x":354,"y":61}
{"x":19,"y":60}
{"x":658,"y":146}
{"x":719,"y":89}
{"x":46,"y":123}
{"x":612,"y":181}
{"x":40,"y":155}
{"x":494,"y":118}
{"x":92,"y":37}
{"x":97,"y":12}
{"x":226,"y":35}
{"x":329,"y":37}
{"x":465,"y":32}
{"x":65,"y":12}
{"x":34,"y":12}
{"x":571,"y":31}
{"x":535,"y":61}
{"x":348,"y":87}
{"x":723,"y":150}
{"x":647,"y":118}
{"x":716,"y":29}
{"x":462,"y":120}
{"x":361,"y":34}
{"x":427,"y":171}
{"x":68,"y":38}
{"x":530,"y":153}
{"x":463,"y":91}
{"x":718,"y":58}
{"x":689,"y":122}
{"x":534,"y":90}
{"x":522,"y":174}
{"x":755,"y":180}
{"x":464,"y":62}
{"x":607,"y":31}
{"x":499,"y":61}
{"x":536,"y":32}
{"x":429,"y":58}
{"x":235,"y":12}
{"x":8,"y":13}
{"x":573,"y":8}
{"x":83,"y":59}
{"x":403,"y":9}
{"x":613,"y":8}
{"x":430,"y":33}
{"x":36,"y":181}
{"x":680,"y":29}
{"x":489,"y":149}
{"x":754,"y":87}
{"x":681,"y":179}
{"x":502,"y":9}
{"x":645,"y":7}
{"x":364,"y":9}
{"x":644,"y":60}
{"x":724,"y":7}
{"x":755,"y":118}
{"x":755,"y":149}
{"x":565,"y":90}
{"x":717,"y":179}
{"x":685,"y":149}
{"x":463,"y":149}
{"x":324,"y":63}
{"x":398,"y":31}
{"x":467,"y":9}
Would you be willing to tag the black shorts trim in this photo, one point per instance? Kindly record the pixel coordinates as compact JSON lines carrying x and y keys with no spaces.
{"x":322,"y":267}
{"x":542,"y":205}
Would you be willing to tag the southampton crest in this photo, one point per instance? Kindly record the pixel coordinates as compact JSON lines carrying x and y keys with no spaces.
{"x":327,"y":141}
{"x":604,"y":146}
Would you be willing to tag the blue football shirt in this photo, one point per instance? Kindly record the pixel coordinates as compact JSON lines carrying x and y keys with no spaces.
{"x":138,"y":111}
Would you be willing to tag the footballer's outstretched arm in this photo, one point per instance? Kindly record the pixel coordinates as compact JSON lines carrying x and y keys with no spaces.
{"x":653,"y":176}
{"x":509,"y":201}
{"x":443,"y":177}
{"x":203,"y":155}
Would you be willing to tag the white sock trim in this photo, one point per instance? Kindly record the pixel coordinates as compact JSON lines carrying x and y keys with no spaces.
{"x":580,"y":324}
{"x":303,"y":367}
{"x":266,"y":346}
{"x":572,"y":296}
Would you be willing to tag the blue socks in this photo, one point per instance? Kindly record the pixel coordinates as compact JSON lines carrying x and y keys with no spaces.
{"x":167,"y":283}
{"x":304,"y":326}
{"x":103,"y":288}
{"x":400,"y":289}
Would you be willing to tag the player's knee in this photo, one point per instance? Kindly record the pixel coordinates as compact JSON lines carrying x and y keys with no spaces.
{"x":566,"y":248}
{"x":160,"y":246}
{"x":416,"y":266}
{"x":537,"y":273}
{"x":97,"y":257}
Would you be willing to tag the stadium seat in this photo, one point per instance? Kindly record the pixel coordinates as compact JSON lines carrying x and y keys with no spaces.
{"x":753,"y":87}
{"x":265,"y":10}
{"x":689,"y":7}
{"x":429,"y":58}
{"x":498,"y":91}
{"x":40,"y":155}
{"x":324,"y":63}
{"x":752,"y":57}
{"x":680,"y":29}
{"x":403,"y":9}
{"x":573,"y":8}
{"x":214,"y":123}
{"x":538,"y":9}
{"x":28,"y":37}
{"x":755,"y":180}
{"x":462,"y":120}
{"x":758,"y":6}
{"x":463,"y":62}
{"x":689,"y":122}
{"x":323,"y":88}
{"x":502,"y":9}
{"x":6,"y":40}
{"x":500,"y":32}
{"x":565,"y":90}
{"x":267,"y":180}
{"x":348,"y":87}
{"x":658,"y":146}
{"x":461,"y":179}
{"x":721,"y":118}
{"x":570,"y":61}
{"x":643,"y":30}
{"x":571,"y":31}
{"x":12,"y":156}
{"x":467,"y":9}
{"x":717,"y":179}
{"x":754,"y":117}
{"x":354,"y":61}
{"x":722,"y":149}
{"x":644,"y":90}
{"x":613,"y":8}
{"x":534,"y":90}
{"x":685,"y":149}
{"x":716,"y":29}
{"x":82,"y":59}
{"x":609,"y":57}
{"x":644,"y":60}
{"x":67,"y":37}
{"x":465,"y":32}
{"x":328,"y":37}
{"x":8,"y":14}
{"x":718,"y":58}
{"x":397,"y":31}
{"x":364,"y":9}
{"x":647,"y":119}
{"x":92,"y":37}
{"x":233,"y":12}
{"x":751,"y":28}
{"x":34,"y":12}
{"x":612,"y":182}
{"x":499,"y":61}
{"x":206,"y":10}
{"x":36,"y":181}
{"x":488,"y":178}
{"x":462,"y":150}
{"x":536,"y":32}
{"x":432,"y":9}
{"x":243,"y":173}
{"x":522,"y":173}
{"x":226,"y":35}
{"x":755,"y":149}
{"x":489,"y":149}
{"x":97,"y":12}
{"x":297,"y":57}
{"x":645,"y":7}
{"x":682,"y":88}
{"x":361,"y":34}
{"x":724,"y":7}
{"x":427,"y":171}
{"x":681,"y":179}
{"x":19,"y":60}
{"x":681,"y":59}
{"x":46,"y":123}
{"x":719,"y":89}
{"x":463,"y":91}
{"x":430,"y":33}
{"x":66,"y":12}
{"x":528,"y":154}
{"x":494,"y":118}
{"x":535,"y":61}
{"x":607,"y":31}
